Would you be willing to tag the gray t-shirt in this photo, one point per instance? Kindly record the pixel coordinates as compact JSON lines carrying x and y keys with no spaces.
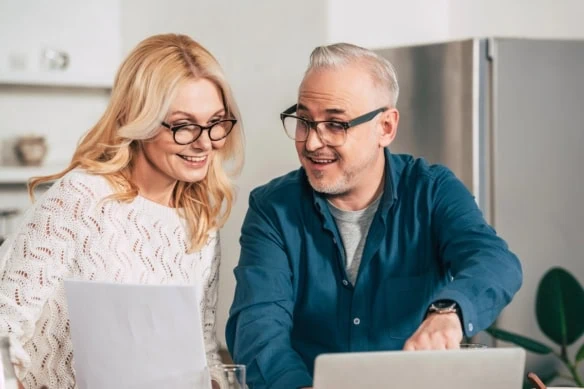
{"x":354,"y":227}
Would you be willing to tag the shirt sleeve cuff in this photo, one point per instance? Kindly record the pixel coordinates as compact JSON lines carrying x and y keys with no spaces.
{"x":292,"y":380}
{"x":467,"y":311}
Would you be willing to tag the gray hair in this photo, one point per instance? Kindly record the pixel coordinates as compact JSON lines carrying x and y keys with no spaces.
{"x":340,"y":54}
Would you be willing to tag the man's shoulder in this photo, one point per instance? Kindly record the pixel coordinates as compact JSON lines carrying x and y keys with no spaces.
{"x":412,"y":169}
{"x":286,"y":187}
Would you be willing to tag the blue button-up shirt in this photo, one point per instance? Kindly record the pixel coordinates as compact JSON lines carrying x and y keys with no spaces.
{"x":428,"y":241}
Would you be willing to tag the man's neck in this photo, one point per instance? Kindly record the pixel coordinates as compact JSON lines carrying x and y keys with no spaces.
{"x":363,"y":195}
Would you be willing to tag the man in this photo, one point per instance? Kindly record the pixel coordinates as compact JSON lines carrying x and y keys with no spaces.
{"x":360,"y":249}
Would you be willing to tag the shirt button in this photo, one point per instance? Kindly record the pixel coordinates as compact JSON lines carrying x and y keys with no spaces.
{"x":470,"y":327}
{"x":345,"y":282}
{"x":356,"y":321}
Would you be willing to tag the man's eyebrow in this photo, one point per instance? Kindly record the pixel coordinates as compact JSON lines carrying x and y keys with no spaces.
{"x":332,"y":111}
{"x":335,"y":111}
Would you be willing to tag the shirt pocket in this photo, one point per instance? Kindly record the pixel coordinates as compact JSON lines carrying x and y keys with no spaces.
{"x":407,"y":299}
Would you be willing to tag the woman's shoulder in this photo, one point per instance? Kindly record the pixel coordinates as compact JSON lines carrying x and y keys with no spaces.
{"x":83,"y":178}
{"x":77,"y":188}
{"x":79,"y":182}
{"x":67,"y":200}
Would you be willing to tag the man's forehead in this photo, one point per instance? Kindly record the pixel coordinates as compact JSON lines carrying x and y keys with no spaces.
{"x":336,"y":90}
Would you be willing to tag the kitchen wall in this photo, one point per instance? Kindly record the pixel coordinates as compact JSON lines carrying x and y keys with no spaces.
{"x":516,"y":18}
{"x":263,"y":46}
{"x":378,"y":24}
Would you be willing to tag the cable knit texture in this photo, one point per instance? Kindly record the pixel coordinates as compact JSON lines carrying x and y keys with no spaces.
{"x":70,"y":233}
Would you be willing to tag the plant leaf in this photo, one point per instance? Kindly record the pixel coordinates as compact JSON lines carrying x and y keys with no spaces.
{"x":548,"y":378}
{"x":522,"y":341}
{"x":580,"y":354}
{"x":559,"y":306}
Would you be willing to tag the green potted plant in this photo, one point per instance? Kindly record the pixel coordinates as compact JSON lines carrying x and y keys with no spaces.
{"x":559,"y":309}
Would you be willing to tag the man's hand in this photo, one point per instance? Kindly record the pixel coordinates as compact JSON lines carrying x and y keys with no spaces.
{"x":439,"y":331}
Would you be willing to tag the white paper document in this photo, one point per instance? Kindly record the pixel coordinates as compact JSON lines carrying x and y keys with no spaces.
{"x":136,"y":336}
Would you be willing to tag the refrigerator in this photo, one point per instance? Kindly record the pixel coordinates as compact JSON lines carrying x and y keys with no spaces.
{"x":507,"y":117}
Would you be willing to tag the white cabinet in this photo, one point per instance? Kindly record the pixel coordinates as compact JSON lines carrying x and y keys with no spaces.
{"x":60,"y":42}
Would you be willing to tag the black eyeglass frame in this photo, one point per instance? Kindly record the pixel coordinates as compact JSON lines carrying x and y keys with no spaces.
{"x":346,"y":125}
{"x":174,"y":129}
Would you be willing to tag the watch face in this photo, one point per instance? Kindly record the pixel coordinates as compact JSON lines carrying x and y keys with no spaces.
{"x":444,"y":304}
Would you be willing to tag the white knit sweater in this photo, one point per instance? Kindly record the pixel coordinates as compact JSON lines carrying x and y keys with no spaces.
{"x":70,"y":234}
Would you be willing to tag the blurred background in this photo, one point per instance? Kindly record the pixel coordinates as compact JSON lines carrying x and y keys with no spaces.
{"x":520,"y":157}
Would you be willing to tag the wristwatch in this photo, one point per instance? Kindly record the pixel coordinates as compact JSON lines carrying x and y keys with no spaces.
{"x":443,"y":306}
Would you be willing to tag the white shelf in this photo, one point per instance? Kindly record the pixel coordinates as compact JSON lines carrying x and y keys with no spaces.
{"x":53,"y":80}
{"x":21,"y":174}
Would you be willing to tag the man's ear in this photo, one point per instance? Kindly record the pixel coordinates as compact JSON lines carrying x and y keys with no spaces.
{"x":389,"y":122}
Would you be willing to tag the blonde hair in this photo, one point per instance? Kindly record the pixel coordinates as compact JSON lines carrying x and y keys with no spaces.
{"x":340,"y":54}
{"x":144,"y":88}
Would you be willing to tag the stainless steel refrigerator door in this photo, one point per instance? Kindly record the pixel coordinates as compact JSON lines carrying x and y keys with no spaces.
{"x":538,"y":187}
{"x":436,"y":105}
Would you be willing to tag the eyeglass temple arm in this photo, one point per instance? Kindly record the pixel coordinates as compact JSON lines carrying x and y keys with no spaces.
{"x":365,"y":118}
{"x":291,"y":110}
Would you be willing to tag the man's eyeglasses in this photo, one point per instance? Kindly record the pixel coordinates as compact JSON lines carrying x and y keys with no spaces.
{"x":187,"y":133}
{"x":332,"y":133}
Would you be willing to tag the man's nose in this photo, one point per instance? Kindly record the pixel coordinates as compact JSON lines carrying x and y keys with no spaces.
{"x":313,"y":142}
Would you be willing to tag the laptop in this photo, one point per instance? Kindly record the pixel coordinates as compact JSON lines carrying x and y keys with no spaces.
{"x":500,"y":368}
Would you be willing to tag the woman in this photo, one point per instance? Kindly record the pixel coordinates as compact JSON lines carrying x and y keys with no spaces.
{"x":141,"y":202}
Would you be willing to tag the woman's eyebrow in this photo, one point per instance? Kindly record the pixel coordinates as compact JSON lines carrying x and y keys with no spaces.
{"x":220,"y":111}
